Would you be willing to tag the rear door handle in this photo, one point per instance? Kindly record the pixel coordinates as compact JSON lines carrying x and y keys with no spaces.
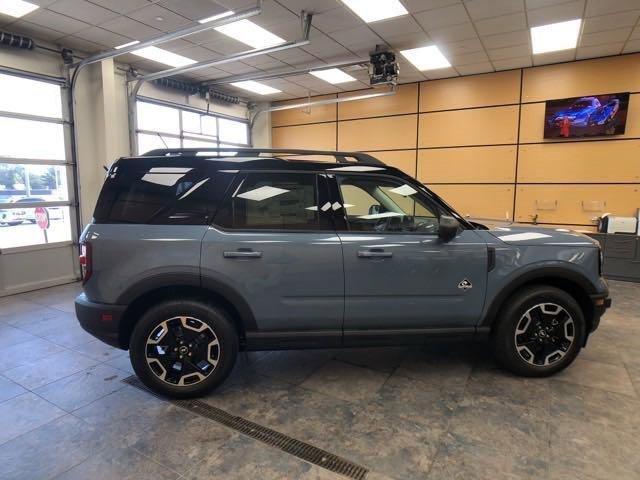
{"x":242,"y":254}
{"x":374,"y":254}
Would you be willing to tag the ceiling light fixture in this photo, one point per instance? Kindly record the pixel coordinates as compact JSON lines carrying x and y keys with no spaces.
{"x":333,"y":75}
{"x":251,"y":34}
{"x":217,"y":17}
{"x":256,"y":87}
{"x":17,"y":8}
{"x":125,"y":45}
{"x":555,"y":36}
{"x":426,"y":58}
{"x":163,"y":56}
{"x":379,"y":10}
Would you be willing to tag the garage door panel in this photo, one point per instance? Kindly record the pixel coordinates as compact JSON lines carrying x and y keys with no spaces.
{"x":478,"y":201}
{"x":378,"y":133}
{"x":481,"y":126}
{"x":467,"y":165}
{"x":404,"y":101}
{"x":500,"y":88}
{"x":575,"y":204}
{"x":320,"y":136}
{"x":588,"y":162}
{"x":298,"y":116}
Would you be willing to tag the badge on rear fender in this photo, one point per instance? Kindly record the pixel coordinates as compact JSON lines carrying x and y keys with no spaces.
{"x":465,"y":285}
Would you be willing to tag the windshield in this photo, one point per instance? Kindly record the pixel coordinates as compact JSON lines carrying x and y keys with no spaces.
{"x":581,"y":104}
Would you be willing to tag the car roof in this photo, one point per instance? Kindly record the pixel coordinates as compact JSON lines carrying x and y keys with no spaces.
{"x":250,"y":159}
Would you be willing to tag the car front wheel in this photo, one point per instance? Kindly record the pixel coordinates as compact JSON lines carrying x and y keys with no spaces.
{"x":183,"y":348}
{"x":539,"y":332}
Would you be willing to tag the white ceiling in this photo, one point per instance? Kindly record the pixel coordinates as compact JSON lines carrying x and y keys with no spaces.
{"x":475,"y":35}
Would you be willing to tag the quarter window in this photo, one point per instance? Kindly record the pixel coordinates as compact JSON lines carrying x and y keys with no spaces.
{"x":157,"y":195}
{"x":378,"y":204}
{"x":274,"y":201}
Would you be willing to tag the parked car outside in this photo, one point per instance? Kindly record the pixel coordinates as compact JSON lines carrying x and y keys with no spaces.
{"x":17,"y":216}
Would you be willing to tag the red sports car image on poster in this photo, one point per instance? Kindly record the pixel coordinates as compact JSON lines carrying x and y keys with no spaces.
{"x":586,"y":116}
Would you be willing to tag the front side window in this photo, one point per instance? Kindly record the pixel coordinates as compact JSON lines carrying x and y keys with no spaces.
{"x":274,"y":201}
{"x":382,"y":204}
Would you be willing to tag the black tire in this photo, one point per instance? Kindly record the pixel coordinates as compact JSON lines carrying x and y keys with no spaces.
{"x":220,"y":327}
{"x":525,"y":309}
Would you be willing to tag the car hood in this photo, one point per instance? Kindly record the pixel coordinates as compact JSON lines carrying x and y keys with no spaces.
{"x":572,"y":113}
{"x":526,"y":235}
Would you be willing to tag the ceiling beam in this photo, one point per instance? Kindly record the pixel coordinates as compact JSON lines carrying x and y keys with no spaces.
{"x":306,"y":25}
{"x":282,"y":73}
{"x":167,"y":37}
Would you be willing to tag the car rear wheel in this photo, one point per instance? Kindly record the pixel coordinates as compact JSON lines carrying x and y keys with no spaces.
{"x":539,"y":332}
{"x":183,"y":348}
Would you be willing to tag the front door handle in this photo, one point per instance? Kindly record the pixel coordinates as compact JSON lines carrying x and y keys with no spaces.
{"x":242,"y":254}
{"x":374,"y":254}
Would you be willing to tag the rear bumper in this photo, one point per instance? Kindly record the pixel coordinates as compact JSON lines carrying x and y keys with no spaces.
{"x":100,"y":319}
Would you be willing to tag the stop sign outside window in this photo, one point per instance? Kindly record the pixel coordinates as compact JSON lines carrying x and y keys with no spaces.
{"x":42,"y":217}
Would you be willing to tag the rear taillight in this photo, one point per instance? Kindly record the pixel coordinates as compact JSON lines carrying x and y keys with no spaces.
{"x":85,"y":261}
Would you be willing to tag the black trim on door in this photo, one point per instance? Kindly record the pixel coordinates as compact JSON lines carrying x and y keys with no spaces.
{"x":285,"y":340}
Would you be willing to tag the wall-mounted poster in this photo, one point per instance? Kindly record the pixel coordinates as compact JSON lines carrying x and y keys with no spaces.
{"x":586,"y":116}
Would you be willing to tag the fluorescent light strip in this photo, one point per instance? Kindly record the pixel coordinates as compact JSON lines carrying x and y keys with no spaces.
{"x":256,"y":87}
{"x":333,"y":75}
{"x":426,"y":58}
{"x":555,"y":36}
{"x":217,"y":17}
{"x":372,"y":11}
{"x":250,"y":34}
{"x":163,"y":56}
{"x":125,"y":45}
{"x":17,"y":8}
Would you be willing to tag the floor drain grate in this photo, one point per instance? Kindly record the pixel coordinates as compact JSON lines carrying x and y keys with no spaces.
{"x":287,"y":444}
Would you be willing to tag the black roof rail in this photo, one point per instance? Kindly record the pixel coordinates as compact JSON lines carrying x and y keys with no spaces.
{"x":341,"y":157}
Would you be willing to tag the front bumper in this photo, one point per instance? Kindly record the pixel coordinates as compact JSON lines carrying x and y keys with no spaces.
{"x":100,"y":319}
{"x":599,"y":303}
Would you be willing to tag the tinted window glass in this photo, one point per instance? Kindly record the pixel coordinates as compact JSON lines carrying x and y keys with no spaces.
{"x":274,"y":201}
{"x":380,"y":204}
{"x":158,"y":195}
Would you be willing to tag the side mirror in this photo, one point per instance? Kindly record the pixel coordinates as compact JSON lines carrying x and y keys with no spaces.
{"x":448,"y":228}
{"x":374,"y":209}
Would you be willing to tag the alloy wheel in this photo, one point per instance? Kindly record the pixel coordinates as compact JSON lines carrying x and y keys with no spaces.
{"x":544,"y":334}
{"x":182,"y":351}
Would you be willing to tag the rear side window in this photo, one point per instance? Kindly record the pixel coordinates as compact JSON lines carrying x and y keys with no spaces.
{"x":164,"y":195}
{"x":274,"y":201}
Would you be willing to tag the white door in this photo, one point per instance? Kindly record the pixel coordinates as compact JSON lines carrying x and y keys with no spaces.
{"x":38,"y":226}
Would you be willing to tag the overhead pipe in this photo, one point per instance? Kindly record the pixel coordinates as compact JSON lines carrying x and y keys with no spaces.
{"x":281,"y":73}
{"x":166,"y":37}
{"x":327,"y":101}
{"x":306,"y":25}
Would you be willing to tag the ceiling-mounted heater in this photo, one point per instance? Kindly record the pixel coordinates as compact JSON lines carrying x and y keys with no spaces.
{"x":193,"y":89}
{"x":16,"y":41}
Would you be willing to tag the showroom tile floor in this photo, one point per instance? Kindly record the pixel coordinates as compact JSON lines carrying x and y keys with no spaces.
{"x":443,"y":411}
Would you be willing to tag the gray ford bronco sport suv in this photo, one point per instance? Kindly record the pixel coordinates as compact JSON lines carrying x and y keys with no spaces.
{"x":196,"y":254}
